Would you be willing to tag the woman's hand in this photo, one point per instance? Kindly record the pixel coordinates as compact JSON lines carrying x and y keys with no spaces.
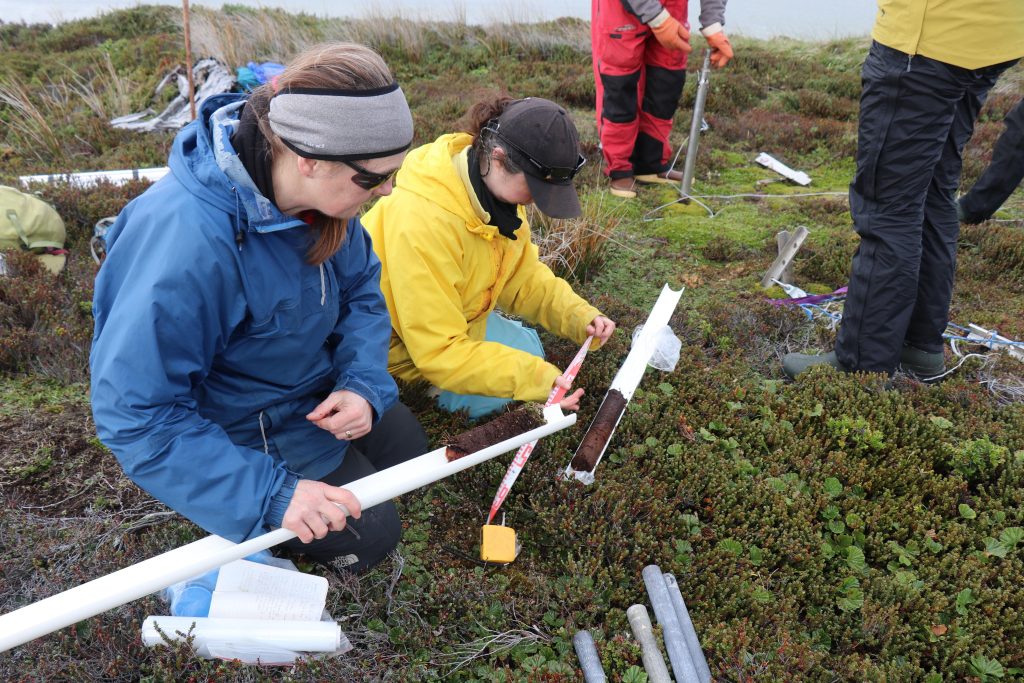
{"x":601,"y":327}
{"x":345,"y":414}
{"x":313,"y":510}
{"x":571,"y":401}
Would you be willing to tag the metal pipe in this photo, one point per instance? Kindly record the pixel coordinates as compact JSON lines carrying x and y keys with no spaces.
{"x":675,"y":644}
{"x":156,"y":573}
{"x":698,"y":115}
{"x":654,"y":663}
{"x":188,"y":58}
{"x":689,"y":632}
{"x":583,"y":642}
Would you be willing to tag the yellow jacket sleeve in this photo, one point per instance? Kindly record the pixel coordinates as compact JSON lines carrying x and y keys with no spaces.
{"x":424,"y":262}
{"x":536,"y":294}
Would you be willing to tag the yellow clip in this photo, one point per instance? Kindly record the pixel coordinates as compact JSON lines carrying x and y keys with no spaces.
{"x":498,"y":544}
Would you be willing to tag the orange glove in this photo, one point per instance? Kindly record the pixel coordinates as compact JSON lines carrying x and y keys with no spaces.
{"x":672,"y":35}
{"x":721,"y":50}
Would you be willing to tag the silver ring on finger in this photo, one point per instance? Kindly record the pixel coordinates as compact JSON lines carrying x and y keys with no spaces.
{"x":348,"y":433}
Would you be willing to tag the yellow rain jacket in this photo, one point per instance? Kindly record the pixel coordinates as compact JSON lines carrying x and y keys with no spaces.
{"x":965,"y":33}
{"x":445,"y":269}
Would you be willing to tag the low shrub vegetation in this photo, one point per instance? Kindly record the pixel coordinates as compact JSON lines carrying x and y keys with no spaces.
{"x":832,"y":529}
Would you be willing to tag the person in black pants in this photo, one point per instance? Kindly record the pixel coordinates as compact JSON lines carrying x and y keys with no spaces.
{"x":916,"y":115}
{"x":1002,"y":176}
{"x":366,"y":541}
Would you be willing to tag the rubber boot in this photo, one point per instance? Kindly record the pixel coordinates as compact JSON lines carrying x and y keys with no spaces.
{"x":922,"y":365}
{"x":795,"y":363}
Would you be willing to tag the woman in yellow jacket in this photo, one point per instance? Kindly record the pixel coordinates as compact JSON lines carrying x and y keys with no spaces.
{"x":455,"y":244}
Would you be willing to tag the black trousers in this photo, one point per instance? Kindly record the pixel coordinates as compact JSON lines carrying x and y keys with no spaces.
{"x":916,"y":115}
{"x":1003,"y":174}
{"x":396,"y":438}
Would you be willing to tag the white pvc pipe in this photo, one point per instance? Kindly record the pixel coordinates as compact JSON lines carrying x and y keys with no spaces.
{"x":89,"y":178}
{"x":643,"y":631}
{"x":627,"y":379}
{"x":300,"y":636}
{"x":156,"y":573}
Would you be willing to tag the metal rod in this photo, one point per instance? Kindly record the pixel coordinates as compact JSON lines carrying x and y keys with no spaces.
{"x":643,"y":631}
{"x":188,"y":58}
{"x":675,"y":644}
{"x":698,"y":115}
{"x":589,"y":661}
{"x":689,"y":632}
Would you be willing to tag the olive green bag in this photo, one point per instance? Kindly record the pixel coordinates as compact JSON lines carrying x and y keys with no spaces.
{"x":27,"y":223}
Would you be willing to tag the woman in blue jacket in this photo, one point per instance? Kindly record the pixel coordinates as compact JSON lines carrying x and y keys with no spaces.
{"x":239,"y":363}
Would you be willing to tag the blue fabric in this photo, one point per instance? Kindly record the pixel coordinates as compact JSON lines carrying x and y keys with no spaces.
{"x":504,"y":331}
{"x":246,"y":78}
{"x":264,"y":71}
{"x":253,"y":75}
{"x":214,"y":337}
{"x":192,"y":597}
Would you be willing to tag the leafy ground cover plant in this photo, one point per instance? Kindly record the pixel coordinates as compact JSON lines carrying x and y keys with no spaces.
{"x":829,"y":529}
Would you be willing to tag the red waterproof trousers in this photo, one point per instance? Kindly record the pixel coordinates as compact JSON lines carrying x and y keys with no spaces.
{"x":639,"y":84}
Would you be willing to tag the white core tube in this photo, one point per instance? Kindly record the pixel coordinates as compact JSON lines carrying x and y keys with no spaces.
{"x":156,"y":573}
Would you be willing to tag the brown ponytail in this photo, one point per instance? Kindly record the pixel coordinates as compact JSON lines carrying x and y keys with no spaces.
{"x":475,"y":123}
{"x":475,"y":120}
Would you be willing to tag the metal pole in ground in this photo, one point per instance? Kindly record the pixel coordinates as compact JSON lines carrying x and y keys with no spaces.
{"x":188,"y":58}
{"x":654,"y":663}
{"x":689,"y":632}
{"x":675,"y":644}
{"x":698,"y":115}
{"x":589,"y":661}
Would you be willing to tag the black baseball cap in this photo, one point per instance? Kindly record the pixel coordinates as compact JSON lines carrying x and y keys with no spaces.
{"x":543,"y":140}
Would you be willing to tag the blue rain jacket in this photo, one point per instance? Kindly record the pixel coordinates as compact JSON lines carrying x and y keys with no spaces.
{"x":214,"y":338}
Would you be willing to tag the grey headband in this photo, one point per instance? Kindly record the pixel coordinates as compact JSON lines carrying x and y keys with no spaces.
{"x":342,"y":125}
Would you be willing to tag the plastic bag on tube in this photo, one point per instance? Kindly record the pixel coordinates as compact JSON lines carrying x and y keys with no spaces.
{"x":667,"y":346}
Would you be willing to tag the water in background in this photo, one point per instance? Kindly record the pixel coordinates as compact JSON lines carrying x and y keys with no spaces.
{"x":808,"y":19}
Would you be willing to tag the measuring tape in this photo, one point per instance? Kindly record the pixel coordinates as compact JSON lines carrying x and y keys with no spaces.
{"x":523,"y":454}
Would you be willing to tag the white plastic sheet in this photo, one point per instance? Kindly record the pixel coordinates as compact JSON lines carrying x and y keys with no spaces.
{"x":665,"y":354}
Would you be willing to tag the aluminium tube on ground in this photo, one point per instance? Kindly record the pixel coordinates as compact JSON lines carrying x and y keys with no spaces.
{"x":698,"y":115}
{"x":689,"y":632}
{"x":643,"y":631}
{"x":156,"y":573}
{"x":583,"y":642}
{"x":675,"y":644}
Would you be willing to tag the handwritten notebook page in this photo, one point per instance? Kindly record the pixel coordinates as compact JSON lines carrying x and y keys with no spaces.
{"x":250,"y":590}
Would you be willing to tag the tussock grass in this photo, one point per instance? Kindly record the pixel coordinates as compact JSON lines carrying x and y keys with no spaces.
{"x":576,"y":248}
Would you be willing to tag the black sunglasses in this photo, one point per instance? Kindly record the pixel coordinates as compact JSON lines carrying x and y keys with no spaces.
{"x":367,"y":179}
{"x":546,"y":173}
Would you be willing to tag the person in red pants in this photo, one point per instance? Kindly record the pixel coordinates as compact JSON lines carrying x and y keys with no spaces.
{"x":639,"y":51}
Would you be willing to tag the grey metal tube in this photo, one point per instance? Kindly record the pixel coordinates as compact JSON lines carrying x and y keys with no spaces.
{"x":698,"y":116}
{"x":654,"y":663}
{"x":675,"y":644}
{"x":689,"y":632}
{"x":583,"y":642}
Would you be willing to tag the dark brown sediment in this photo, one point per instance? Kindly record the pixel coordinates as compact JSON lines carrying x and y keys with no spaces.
{"x":600,"y":431}
{"x":497,"y":430}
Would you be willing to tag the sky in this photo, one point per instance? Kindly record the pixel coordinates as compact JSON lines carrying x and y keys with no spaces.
{"x":809,"y":19}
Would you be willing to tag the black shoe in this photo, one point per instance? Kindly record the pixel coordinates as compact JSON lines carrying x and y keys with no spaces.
{"x":922,"y":365}
{"x":968,"y":218}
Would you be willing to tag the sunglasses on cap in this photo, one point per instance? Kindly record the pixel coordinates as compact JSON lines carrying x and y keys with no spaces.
{"x":543,"y":172}
{"x":367,"y":179}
